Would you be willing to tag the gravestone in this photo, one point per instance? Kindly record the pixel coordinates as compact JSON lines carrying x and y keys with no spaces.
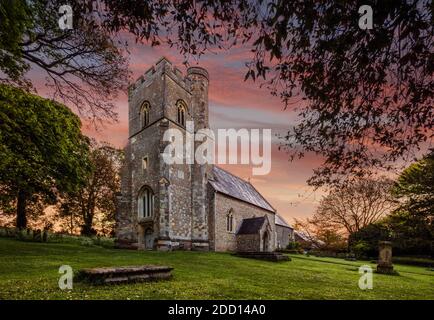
{"x":113,"y":275}
{"x":385,"y":258}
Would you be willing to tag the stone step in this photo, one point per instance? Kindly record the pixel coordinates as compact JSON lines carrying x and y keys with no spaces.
{"x":124,"y":274}
{"x":268,"y":256}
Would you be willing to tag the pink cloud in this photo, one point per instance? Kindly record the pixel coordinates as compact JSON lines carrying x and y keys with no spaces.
{"x":231,"y":98}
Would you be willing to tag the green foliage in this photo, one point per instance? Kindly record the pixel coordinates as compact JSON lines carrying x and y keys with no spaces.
{"x":369,"y":236}
{"x":414,"y":261}
{"x":361,"y":249}
{"x":411,"y":233}
{"x":410,"y":226}
{"x":86,"y":242}
{"x":413,"y":222}
{"x":50,"y":237}
{"x":24,"y":234}
{"x":99,"y":193}
{"x":293,"y":245}
{"x":104,"y":242}
{"x":84,"y":66}
{"x":14,"y":21}
{"x":408,"y":234}
{"x":415,"y":186}
{"x":42,"y":150}
{"x":356,"y":103}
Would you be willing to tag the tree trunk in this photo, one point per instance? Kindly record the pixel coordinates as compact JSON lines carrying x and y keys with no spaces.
{"x":21,"y":210}
{"x":72,"y":225}
{"x":87,"y":226}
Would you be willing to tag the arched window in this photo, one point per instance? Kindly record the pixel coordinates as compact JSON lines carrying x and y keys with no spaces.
{"x":144,"y":113}
{"x":145,"y":203}
{"x":182,"y":110}
{"x":230,"y":221}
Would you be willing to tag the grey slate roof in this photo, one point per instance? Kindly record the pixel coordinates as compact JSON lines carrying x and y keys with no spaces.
{"x":301,"y":235}
{"x":233,"y":186}
{"x":251,"y":225}
{"x":281,"y":222}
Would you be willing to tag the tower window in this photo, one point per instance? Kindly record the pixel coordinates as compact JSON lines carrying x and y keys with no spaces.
{"x":230,"y":221}
{"x":182,"y":108}
{"x":145,"y":163}
{"x":144,"y":114}
{"x":145,"y":203}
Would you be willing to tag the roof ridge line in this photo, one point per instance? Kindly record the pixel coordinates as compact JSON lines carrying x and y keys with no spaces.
{"x":239,"y":182}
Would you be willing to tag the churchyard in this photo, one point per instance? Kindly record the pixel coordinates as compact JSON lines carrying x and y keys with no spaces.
{"x":30,"y":270}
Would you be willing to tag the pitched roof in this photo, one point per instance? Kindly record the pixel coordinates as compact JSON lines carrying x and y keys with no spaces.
{"x":233,"y":186}
{"x":251,"y":225}
{"x":301,"y":235}
{"x":281,"y":222}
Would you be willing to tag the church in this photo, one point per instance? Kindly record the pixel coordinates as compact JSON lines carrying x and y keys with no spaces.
{"x":183,"y":206}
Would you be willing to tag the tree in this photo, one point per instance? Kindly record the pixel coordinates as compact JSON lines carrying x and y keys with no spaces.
{"x":100,"y":190}
{"x":410,"y":225}
{"x":324,"y":237}
{"x":365,"y":96}
{"x":413,"y":221}
{"x":42,"y":151}
{"x":84,"y":66}
{"x":415,"y":187}
{"x":410,"y":234}
{"x":35,"y":209}
{"x":353,"y":206}
{"x":369,"y":236}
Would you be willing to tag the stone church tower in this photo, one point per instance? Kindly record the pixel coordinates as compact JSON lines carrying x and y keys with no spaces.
{"x":188,"y":205}
{"x":163,"y":206}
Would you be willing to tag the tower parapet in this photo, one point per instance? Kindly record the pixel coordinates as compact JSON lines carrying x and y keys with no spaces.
{"x":198,"y":71}
{"x":163,"y":66}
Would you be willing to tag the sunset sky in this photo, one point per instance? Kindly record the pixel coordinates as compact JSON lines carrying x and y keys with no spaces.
{"x":233,"y":103}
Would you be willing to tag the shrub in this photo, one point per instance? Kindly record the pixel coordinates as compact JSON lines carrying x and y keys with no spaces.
{"x":414,"y":261}
{"x":361,"y":249}
{"x":23,"y":235}
{"x":104,"y":242}
{"x":87,"y":242}
{"x":293,"y":246}
{"x":3,"y":232}
{"x":45,"y":236}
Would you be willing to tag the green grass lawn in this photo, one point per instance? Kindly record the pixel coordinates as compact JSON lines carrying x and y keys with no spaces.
{"x":29,"y":270}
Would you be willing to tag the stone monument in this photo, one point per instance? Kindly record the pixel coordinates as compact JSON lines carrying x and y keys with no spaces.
{"x":385,"y":258}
